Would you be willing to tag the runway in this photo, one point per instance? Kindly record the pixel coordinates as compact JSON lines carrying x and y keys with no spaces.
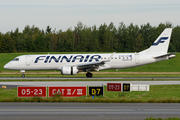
{"x":14,"y":84}
{"x":78,"y":78}
{"x":88,"y":111}
{"x":84,"y":83}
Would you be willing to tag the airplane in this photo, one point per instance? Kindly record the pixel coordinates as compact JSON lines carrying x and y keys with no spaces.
{"x":71,"y":64}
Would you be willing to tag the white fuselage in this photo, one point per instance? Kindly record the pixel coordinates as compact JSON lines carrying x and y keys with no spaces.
{"x":57,"y":61}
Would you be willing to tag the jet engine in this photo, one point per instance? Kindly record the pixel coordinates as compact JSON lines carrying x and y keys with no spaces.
{"x":69,"y":70}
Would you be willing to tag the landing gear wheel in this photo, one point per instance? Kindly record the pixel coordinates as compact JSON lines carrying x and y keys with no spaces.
{"x":89,"y":75}
{"x":23,"y":75}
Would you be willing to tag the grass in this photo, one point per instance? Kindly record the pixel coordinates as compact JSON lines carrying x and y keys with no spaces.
{"x":94,"y":75}
{"x":92,"y":80}
{"x":157,"y":94}
{"x":174,"y":118}
{"x":171,"y":65}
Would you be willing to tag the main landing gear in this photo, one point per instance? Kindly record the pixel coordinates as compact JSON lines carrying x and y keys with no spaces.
{"x":89,"y":75}
{"x":23,"y":75}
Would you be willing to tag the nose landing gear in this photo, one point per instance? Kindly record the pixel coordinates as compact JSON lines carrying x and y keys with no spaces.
{"x":89,"y":75}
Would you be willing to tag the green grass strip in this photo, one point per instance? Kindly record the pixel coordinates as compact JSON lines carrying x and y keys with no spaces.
{"x":91,"y":80}
{"x":174,"y":118}
{"x":94,"y":75}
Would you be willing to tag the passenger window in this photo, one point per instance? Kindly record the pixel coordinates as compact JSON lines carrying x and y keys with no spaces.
{"x":15,"y":59}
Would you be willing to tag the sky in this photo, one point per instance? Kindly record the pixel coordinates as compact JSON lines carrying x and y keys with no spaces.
{"x":65,"y":14}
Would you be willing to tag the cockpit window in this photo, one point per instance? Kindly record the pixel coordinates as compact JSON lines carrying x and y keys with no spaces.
{"x":15,"y":59}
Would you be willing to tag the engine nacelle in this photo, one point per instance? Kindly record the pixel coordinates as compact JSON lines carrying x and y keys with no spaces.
{"x":69,"y":70}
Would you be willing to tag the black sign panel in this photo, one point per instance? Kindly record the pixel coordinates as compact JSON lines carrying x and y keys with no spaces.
{"x":96,"y":90}
{"x":126,"y":87}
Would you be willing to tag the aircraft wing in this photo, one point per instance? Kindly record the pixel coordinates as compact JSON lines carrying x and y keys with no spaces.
{"x":170,"y":55}
{"x":93,"y":65}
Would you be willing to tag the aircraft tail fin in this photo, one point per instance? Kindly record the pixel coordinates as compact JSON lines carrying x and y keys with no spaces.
{"x":161,"y":44}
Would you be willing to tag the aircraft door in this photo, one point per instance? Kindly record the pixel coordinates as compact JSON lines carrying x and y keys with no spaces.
{"x":137,"y":58}
{"x":28,"y":60}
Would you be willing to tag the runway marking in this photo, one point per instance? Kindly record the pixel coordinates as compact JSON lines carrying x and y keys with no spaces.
{"x":162,"y":110}
{"x":65,"y":110}
{"x":87,"y":110}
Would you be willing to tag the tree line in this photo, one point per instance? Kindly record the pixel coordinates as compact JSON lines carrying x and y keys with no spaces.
{"x":105,"y":38}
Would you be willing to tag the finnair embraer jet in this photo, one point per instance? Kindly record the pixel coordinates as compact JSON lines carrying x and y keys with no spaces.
{"x":71,"y":64}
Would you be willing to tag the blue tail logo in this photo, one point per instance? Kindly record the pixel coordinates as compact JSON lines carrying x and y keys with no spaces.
{"x":161,"y":40}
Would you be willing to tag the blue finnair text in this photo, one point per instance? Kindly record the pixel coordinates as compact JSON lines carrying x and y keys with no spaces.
{"x":77,"y":58}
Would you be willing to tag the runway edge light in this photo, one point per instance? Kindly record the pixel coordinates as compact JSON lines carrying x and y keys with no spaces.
{"x":3,"y":87}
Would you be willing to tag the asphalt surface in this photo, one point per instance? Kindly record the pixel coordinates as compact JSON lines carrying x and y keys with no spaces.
{"x":75,"y":78}
{"x":81,"y":83}
{"x":11,"y":84}
{"x":87,"y":111}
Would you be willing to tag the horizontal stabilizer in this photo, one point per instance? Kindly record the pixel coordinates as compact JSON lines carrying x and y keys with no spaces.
{"x":170,"y":55}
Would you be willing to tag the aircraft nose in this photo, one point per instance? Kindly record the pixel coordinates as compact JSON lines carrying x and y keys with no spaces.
{"x":7,"y":66}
